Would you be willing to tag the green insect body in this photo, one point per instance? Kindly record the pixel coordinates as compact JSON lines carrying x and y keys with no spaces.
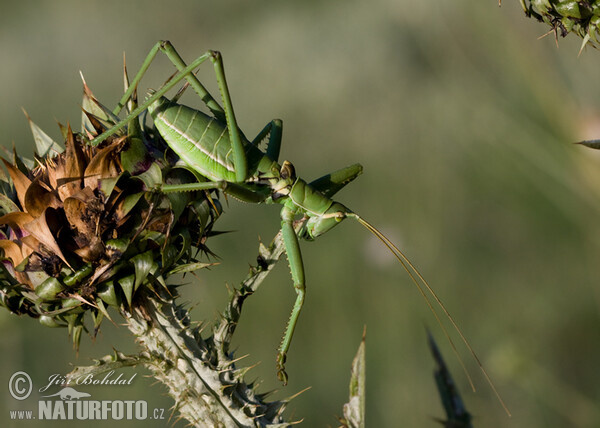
{"x":204,"y":144}
{"x":215,"y":148}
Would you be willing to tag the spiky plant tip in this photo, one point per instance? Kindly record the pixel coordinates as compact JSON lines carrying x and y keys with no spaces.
{"x":581,"y":17}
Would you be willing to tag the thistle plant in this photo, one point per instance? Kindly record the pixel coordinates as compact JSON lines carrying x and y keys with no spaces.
{"x":85,"y":228}
{"x":82,"y":228}
{"x":581,"y":17}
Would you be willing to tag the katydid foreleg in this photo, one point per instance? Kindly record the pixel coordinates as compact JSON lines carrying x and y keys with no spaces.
{"x":274,"y":130}
{"x":292,"y":250}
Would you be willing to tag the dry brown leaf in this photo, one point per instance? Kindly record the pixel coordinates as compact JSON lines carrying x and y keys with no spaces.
{"x":69,"y":171}
{"x":103,"y":164}
{"x":12,"y":251}
{"x":17,"y":222}
{"x":83,"y":211}
{"x":32,"y":244}
{"x":91,"y":252}
{"x":39,"y":229}
{"x":37,"y":199}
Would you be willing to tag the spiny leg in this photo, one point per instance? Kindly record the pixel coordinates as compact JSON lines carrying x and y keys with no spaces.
{"x":156,"y":95}
{"x":274,"y":129}
{"x":292,"y":249}
{"x":239,"y":155}
{"x":190,"y":187}
{"x":167,"y":48}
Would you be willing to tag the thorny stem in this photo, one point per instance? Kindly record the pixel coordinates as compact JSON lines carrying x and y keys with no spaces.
{"x":200,"y":374}
{"x":266,"y":261}
{"x":206,"y":392}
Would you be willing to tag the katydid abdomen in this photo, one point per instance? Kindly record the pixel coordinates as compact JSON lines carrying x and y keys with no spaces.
{"x":203,"y":142}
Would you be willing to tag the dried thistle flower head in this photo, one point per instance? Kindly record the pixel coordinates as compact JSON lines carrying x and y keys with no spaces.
{"x":85,"y":227}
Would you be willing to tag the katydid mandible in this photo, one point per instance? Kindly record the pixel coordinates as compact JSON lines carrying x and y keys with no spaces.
{"x":216,"y":148}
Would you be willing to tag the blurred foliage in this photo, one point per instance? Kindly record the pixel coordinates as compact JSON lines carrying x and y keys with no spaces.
{"x":463,"y":121}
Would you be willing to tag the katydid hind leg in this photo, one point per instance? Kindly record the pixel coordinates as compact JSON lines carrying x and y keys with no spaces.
{"x":152,"y":98}
{"x":239,"y":154}
{"x":132,"y":87}
{"x":210,"y":102}
{"x":167,"y":48}
{"x":292,"y":249}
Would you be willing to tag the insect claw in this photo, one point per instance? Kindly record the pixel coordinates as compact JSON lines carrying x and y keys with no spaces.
{"x":281,"y":374}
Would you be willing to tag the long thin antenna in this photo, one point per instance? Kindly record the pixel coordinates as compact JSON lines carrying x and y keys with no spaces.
{"x":406,"y":264}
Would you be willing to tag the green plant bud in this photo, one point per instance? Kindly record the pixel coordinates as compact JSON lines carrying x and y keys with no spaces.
{"x":48,"y":321}
{"x":118,"y":244}
{"x":73,"y":303}
{"x":48,"y":289}
{"x":569,"y":9}
{"x":127,"y":285}
{"x":109,"y":295}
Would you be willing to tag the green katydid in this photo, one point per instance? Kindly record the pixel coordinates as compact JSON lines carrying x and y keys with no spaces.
{"x":215,"y":148}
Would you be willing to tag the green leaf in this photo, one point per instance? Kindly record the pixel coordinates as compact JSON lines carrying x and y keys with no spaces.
{"x":143,"y":264}
{"x":127,"y":284}
{"x":49,"y":321}
{"x":73,"y":306}
{"x":7,"y":205}
{"x":103,"y":312}
{"x":75,"y":324}
{"x":45,"y":146}
{"x":135,"y":156}
{"x":23,"y":164}
{"x":48,"y":289}
{"x":91,"y":105}
{"x":107,"y":185}
{"x":79,"y":275}
{"x":175,"y":250}
{"x":152,"y":177}
{"x":129,"y":203}
{"x":119,"y":245}
{"x":108,"y":293}
{"x":152,"y":235}
{"x":97,"y":317}
{"x":190,"y":267}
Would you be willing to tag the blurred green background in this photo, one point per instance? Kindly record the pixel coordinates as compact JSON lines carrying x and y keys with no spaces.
{"x":463,"y":121}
